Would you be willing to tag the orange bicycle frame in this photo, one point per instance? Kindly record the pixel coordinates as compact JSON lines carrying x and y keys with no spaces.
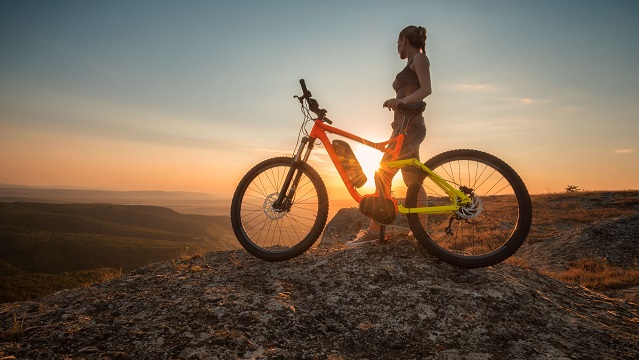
{"x":319,"y":132}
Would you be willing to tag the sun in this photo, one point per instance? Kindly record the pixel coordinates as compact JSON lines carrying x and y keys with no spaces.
{"x":369,"y":159}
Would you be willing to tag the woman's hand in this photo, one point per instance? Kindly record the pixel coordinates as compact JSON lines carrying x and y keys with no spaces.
{"x":391,"y":104}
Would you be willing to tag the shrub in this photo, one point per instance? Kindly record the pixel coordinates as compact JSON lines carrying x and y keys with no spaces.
{"x":572,"y":188}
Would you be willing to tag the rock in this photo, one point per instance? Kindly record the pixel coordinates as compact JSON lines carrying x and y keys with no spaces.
{"x":343,"y":227}
{"x":88,"y":350}
{"x":349,"y":221}
{"x":616,"y":240}
{"x":382,"y":301}
{"x":390,"y":301}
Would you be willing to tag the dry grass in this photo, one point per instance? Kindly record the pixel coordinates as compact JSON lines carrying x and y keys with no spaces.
{"x":517,"y":261}
{"x":14,"y":332}
{"x":553,"y":214}
{"x":190,"y":253}
{"x":104,"y":275}
{"x":597,"y":274}
{"x":179,"y":265}
{"x":110,"y":274}
{"x":182,"y":262}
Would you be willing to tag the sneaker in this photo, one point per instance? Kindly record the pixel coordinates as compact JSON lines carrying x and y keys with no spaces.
{"x":363,"y":237}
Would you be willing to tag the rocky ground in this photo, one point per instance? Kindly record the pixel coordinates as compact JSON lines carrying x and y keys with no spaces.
{"x":384,"y":301}
{"x":571,"y":227}
{"x":616,"y":240}
{"x":390,"y":301}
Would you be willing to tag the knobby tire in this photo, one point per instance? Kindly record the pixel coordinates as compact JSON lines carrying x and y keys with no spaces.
{"x":497,"y":231}
{"x":274,"y":235}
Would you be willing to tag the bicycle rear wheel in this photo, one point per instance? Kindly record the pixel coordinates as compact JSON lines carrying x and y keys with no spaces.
{"x":483,"y":233}
{"x":274,"y":234}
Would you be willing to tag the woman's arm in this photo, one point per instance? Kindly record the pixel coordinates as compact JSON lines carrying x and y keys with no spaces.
{"x":421,"y":68}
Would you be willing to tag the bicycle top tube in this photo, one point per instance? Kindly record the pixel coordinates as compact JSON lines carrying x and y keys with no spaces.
{"x":319,"y":132}
{"x":320,"y":129}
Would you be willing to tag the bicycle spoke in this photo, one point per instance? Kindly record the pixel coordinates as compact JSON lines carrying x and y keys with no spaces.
{"x":496,"y":219}
{"x":292,"y":226}
{"x":269,"y":228}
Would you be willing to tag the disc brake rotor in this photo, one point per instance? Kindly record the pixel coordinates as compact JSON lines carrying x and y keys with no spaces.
{"x":473,"y":210}
{"x":268,"y":209}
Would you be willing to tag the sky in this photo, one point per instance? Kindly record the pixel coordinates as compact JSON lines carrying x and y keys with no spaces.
{"x":189,"y":95}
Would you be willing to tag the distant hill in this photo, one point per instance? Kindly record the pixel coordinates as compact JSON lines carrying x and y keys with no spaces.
{"x":181,"y":201}
{"x":65,"y":238}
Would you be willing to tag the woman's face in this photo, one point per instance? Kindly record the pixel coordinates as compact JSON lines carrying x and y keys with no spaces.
{"x":401,"y":47}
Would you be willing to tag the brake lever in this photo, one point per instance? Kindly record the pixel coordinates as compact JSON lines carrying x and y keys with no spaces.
{"x":313,"y":106}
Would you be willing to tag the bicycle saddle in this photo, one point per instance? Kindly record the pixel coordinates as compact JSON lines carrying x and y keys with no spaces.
{"x":412,"y":109}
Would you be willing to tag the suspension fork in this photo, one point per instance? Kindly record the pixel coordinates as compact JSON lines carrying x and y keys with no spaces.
{"x":285,"y":197}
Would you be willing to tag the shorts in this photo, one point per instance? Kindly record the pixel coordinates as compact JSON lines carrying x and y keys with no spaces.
{"x":413,"y":138}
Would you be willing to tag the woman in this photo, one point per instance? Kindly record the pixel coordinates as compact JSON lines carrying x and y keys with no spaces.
{"x":411,"y":85}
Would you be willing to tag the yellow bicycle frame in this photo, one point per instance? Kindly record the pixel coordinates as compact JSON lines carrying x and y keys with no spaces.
{"x":457,"y":197}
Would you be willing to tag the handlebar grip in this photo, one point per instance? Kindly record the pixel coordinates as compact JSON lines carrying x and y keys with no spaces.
{"x":304,"y":89}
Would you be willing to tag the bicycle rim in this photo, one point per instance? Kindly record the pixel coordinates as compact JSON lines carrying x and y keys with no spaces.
{"x":278,"y":234}
{"x":484,"y":232}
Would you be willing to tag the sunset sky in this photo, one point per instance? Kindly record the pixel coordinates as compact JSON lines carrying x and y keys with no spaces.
{"x":188,"y":95}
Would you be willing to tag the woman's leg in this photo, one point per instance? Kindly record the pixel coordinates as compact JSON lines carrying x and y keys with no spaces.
{"x":415,"y":134}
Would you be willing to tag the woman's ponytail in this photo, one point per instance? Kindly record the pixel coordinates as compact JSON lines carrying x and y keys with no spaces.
{"x":416,"y":36}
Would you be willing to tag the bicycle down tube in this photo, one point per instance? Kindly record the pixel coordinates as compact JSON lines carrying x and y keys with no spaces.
{"x":319,"y":132}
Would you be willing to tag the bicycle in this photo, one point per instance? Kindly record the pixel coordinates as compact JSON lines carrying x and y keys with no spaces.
{"x":474,"y":210}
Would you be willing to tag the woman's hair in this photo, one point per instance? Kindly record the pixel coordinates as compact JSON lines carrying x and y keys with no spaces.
{"x":416,"y":36}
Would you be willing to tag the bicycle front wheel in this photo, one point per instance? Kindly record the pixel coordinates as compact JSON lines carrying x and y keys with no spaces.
{"x":483,"y":233}
{"x":278,"y":234}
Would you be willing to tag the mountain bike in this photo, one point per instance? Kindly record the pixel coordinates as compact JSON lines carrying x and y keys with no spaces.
{"x":467,"y":207}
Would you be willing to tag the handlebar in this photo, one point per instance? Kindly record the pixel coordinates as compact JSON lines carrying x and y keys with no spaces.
{"x":305,"y":92}
{"x":313,"y":105}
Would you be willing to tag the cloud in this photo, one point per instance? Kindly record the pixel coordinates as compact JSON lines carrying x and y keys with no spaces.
{"x":483,"y":87}
{"x":316,"y":158}
{"x":275,"y":151}
{"x":499,"y":92}
{"x":79,"y":57}
{"x":625,"y":151}
{"x":318,"y":155}
{"x":526,"y":101}
{"x":102,"y":70}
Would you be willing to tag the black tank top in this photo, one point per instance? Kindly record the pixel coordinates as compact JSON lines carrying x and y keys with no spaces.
{"x":406,"y":82}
